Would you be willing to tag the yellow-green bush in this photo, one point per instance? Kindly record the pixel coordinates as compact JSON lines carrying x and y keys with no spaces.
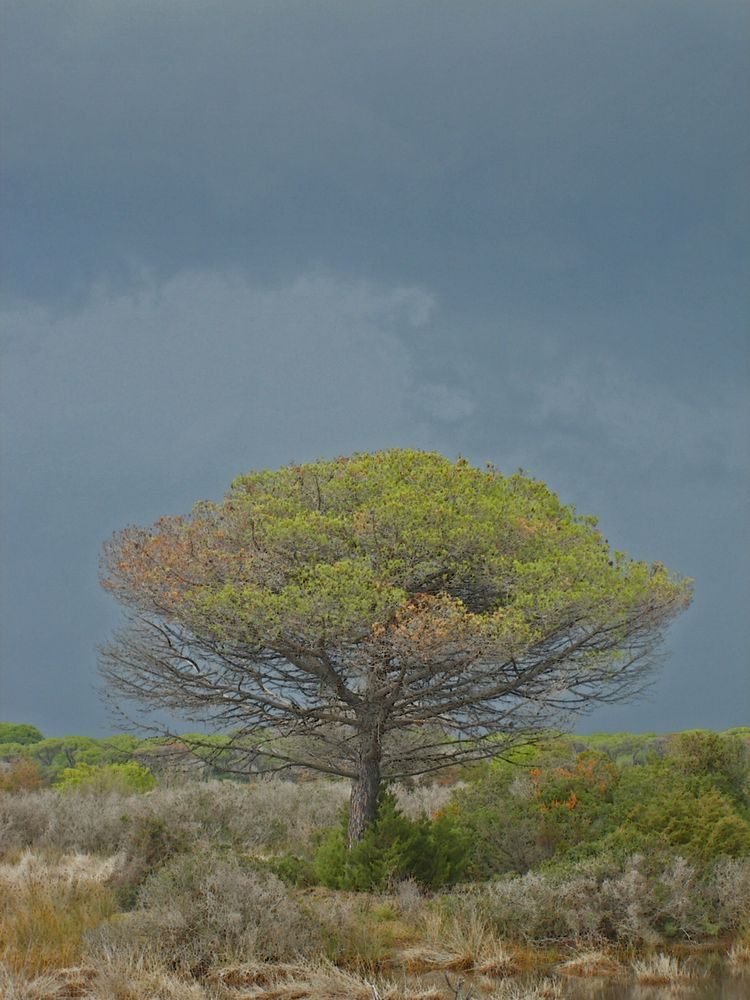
{"x":127,"y":777}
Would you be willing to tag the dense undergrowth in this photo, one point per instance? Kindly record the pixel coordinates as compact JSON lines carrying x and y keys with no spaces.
{"x":604,"y":844}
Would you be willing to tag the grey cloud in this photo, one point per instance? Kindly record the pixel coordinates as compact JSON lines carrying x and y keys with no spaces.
{"x":509,"y":153}
{"x":647,"y":422}
{"x":446,"y":402}
{"x":238,"y":234}
{"x":204,"y":358}
{"x":142,"y":403}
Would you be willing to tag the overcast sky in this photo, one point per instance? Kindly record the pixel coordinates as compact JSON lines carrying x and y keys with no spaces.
{"x":238,"y":233}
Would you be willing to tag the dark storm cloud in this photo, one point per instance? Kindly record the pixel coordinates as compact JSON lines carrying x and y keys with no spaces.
{"x":145,"y":402}
{"x":540,"y":150}
{"x":241,"y":233}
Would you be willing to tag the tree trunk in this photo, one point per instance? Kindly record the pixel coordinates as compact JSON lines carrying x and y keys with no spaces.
{"x":364,"y":798}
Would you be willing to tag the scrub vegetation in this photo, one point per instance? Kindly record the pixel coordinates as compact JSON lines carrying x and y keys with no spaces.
{"x":612,"y":856}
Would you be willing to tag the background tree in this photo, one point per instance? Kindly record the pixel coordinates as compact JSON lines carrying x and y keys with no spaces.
{"x":381,"y":615}
{"x":19,"y":732}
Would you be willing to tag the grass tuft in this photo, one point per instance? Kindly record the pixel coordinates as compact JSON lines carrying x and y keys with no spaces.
{"x":322,"y":981}
{"x":591,"y":964}
{"x":458,"y":945}
{"x":545,"y":989}
{"x":739,"y":957}
{"x":661,"y":970}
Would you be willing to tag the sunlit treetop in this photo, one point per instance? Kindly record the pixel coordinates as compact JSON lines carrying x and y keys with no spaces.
{"x":335,"y":549}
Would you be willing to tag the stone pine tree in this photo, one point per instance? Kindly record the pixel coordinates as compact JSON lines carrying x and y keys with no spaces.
{"x":381,"y":615}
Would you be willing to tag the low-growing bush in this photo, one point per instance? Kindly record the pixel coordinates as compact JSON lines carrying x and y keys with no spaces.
{"x":294,"y":870}
{"x":270,"y":816}
{"x":730,"y":883}
{"x":691,"y":801}
{"x":203,"y":908}
{"x":432,"y":852}
{"x":720,"y":759}
{"x":21,"y":775}
{"x":424,"y":801}
{"x":150,"y":843}
{"x":637,"y":902}
{"x":71,"y":822}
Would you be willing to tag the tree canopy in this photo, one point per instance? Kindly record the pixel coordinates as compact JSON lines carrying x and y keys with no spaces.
{"x":19,"y":732}
{"x":382,"y":615}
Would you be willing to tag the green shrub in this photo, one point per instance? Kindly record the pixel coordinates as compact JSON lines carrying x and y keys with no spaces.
{"x":123,"y":778}
{"x":294,"y":870}
{"x":502,"y":823}
{"x":716,"y":758}
{"x":150,"y":844}
{"x":686,"y":803}
{"x":701,"y":827}
{"x":19,"y":732}
{"x":432,"y":852}
{"x":519,"y":817}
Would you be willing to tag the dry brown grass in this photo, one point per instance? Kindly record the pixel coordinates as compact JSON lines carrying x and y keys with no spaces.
{"x":591,"y":964}
{"x":246,"y":975}
{"x":423,"y":958}
{"x":661,"y":970}
{"x":46,"y":908}
{"x":739,"y":956}
{"x":60,"y":984}
{"x":129,"y":979}
{"x":360,"y":931}
{"x":18,"y":986}
{"x":150,"y":984}
{"x":544,"y":989}
{"x":458,"y":945}
{"x":325,"y":981}
{"x":496,"y":960}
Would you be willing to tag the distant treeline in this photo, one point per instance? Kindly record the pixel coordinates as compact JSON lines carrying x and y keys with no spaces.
{"x":223,"y":756}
